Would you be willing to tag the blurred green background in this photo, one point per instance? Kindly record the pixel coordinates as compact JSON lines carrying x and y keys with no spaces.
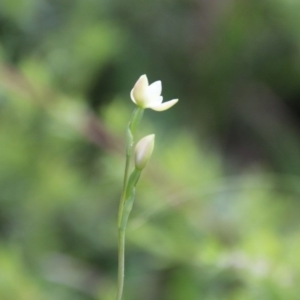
{"x":217,"y":214}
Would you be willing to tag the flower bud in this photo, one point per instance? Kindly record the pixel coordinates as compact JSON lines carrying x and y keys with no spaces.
{"x":143,"y":151}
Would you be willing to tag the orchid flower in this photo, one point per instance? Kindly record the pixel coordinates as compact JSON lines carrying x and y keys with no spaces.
{"x":148,"y":96}
{"x":144,"y":96}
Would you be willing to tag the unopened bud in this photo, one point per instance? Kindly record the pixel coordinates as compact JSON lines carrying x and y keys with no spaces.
{"x":143,"y":151}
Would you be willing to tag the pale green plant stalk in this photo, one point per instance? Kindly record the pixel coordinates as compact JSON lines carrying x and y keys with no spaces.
{"x":123,"y":215}
{"x":144,"y":96}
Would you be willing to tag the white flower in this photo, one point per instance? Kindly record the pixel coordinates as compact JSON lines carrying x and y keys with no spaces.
{"x":148,"y":96}
{"x":143,"y":151}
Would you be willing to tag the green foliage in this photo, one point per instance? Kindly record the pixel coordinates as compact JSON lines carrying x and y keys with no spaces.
{"x":200,"y":228}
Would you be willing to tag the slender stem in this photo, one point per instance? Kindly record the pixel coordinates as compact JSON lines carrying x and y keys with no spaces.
{"x":131,"y":128}
{"x":121,"y":233}
{"x":123,"y":215}
{"x":123,"y":196}
{"x":121,"y":266}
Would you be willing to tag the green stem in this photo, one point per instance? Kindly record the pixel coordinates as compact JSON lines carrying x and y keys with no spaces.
{"x":124,"y":214}
{"x":121,"y":261}
{"x":122,"y":231}
{"x":123,"y":196}
{"x":131,"y":129}
{"x":135,"y":119}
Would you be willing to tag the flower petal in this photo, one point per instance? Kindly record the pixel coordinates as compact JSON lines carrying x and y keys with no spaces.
{"x":164,"y":106}
{"x":154,"y":89}
{"x":155,"y":101}
{"x":139,"y":91}
{"x":142,"y":81}
{"x":131,"y":96}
